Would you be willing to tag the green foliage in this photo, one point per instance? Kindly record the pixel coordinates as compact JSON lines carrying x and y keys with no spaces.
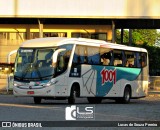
{"x":154,"y":60}
{"x":125,"y":36}
{"x":148,"y":36}
{"x":139,"y":36}
{"x":144,"y":38}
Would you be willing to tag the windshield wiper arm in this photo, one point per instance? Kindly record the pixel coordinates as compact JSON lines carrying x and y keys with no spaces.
{"x":36,"y":68}
{"x":25,"y":72}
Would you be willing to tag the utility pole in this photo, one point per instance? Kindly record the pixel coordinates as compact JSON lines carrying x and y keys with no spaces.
{"x":130,"y":37}
{"x":113,"y":32}
{"x":40,"y":28}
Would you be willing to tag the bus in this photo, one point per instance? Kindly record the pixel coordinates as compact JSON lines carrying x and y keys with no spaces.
{"x":70,"y":68}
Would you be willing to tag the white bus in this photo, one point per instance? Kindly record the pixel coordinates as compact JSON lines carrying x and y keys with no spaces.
{"x":68,"y":68}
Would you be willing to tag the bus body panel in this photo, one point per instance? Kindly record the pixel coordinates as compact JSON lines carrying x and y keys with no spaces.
{"x":91,"y":82}
{"x":31,"y":90}
{"x":94,"y":80}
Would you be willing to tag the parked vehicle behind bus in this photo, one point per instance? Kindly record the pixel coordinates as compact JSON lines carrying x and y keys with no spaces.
{"x":68,"y":68}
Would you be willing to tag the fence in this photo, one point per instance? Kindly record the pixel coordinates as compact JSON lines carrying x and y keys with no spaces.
{"x":154,"y":82}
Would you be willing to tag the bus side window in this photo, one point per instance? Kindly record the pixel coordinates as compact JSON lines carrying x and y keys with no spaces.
{"x":143,"y":59}
{"x":62,"y":61}
{"x":106,"y":56}
{"x":81,"y":52}
{"x":123,"y":58}
{"x":130,"y":63}
{"x":130,"y":59}
{"x":106,"y":61}
{"x":138,"y":59}
{"x":117,"y":58}
{"x":79,"y":55}
{"x":75,"y":58}
{"x":94,"y":59}
{"x":117,"y":62}
{"x":61,"y":64}
{"x":93,"y":55}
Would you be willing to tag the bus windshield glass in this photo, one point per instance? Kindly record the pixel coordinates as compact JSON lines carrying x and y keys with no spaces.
{"x":34,"y":64}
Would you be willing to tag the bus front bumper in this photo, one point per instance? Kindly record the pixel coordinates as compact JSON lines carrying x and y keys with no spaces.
{"x":33,"y":91}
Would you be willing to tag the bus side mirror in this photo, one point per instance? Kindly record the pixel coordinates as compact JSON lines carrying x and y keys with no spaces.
{"x":55,"y":55}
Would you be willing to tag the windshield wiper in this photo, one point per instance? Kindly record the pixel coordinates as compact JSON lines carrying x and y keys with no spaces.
{"x":36,"y":69}
{"x":25,"y":72}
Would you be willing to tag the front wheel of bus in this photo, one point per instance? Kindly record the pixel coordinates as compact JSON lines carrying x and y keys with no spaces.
{"x":72,"y":98}
{"x":37,"y":100}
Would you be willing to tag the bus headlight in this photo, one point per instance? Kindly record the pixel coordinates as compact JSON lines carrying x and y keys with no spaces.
{"x":15,"y":84}
{"x":47,"y":84}
{"x":54,"y":81}
{"x":50,"y":83}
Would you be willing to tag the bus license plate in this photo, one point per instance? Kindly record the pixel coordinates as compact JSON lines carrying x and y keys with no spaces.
{"x":30,"y":92}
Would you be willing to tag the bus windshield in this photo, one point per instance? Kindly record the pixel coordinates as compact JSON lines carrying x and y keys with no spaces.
{"x":34,"y":64}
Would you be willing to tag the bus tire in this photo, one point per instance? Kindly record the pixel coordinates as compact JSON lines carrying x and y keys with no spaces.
{"x":94,"y":100}
{"x":72,"y":98}
{"x":127,"y":95}
{"x":37,"y":100}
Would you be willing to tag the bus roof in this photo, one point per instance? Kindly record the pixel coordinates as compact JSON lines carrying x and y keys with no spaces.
{"x":123,"y":47}
{"x":57,"y":41}
{"x":43,"y":42}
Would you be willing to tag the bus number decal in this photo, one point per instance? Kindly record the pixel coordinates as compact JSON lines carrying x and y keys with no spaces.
{"x":108,"y":75}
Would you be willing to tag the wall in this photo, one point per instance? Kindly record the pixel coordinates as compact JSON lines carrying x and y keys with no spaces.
{"x":154,"y":82}
{"x":80,"y":8}
{"x":12,"y":42}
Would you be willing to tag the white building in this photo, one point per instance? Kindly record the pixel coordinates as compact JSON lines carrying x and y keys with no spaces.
{"x":26,"y":19}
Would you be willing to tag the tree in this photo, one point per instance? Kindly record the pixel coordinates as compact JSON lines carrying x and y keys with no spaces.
{"x":139,"y":36}
{"x":125,"y":36}
{"x":145,"y":38}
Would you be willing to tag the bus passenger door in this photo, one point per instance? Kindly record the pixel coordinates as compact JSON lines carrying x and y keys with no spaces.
{"x":60,"y":74}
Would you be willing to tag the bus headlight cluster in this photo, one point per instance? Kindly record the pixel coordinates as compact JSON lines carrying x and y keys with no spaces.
{"x":16,"y":84}
{"x":50,"y":83}
{"x":47,"y":84}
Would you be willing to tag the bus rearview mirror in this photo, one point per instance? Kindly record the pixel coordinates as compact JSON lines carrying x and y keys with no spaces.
{"x":55,"y":55}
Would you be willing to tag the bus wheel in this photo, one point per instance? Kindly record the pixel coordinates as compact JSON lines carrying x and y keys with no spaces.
{"x":94,"y":100}
{"x":72,"y":98}
{"x":37,"y":100}
{"x":127,"y":95}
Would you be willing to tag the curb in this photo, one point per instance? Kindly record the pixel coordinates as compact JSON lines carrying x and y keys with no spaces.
{"x":4,"y":92}
{"x":154,"y":93}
